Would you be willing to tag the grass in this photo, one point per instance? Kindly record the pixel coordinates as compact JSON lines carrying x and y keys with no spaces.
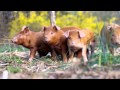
{"x":12,"y":69}
{"x":100,"y":58}
{"x":11,"y":48}
{"x":7,"y":56}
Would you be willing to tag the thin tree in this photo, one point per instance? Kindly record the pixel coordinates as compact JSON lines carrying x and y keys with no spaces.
{"x":52,"y":17}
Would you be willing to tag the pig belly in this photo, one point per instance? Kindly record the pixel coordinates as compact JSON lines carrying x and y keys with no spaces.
{"x":58,"y":51}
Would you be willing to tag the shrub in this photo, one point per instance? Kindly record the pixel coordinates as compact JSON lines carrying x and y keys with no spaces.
{"x":35,"y":21}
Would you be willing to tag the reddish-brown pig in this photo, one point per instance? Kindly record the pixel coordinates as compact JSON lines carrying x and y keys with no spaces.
{"x":77,"y":54}
{"x":55,"y":37}
{"x":33,"y":41}
{"x":110,"y":37}
{"x":80,"y":39}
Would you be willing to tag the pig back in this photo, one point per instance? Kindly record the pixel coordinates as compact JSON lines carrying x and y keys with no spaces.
{"x":65,"y":29}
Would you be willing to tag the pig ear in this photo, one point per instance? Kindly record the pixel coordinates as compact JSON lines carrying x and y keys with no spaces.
{"x":109,"y":27}
{"x":56,"y":27}
{"x":81,"y":34}
{"x":25,"y":29}
{"x":66,"y":34}
{"x":44,"y":28}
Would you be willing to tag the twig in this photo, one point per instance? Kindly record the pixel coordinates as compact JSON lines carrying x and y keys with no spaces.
{"x":4,"y":64}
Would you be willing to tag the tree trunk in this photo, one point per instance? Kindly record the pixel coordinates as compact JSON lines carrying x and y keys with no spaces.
{"x":5,"y":18}
{"x":52,"y":17}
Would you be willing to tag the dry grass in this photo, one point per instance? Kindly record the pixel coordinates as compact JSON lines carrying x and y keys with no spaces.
{"x":13,"y":59}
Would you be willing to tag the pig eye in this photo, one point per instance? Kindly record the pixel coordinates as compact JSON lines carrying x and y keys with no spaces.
{"x":20,"y":35}
{"x":51,"y":32}
{"x":112,"y":35}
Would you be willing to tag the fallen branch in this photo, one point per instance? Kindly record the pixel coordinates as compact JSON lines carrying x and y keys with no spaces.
{"x":5,"y":64}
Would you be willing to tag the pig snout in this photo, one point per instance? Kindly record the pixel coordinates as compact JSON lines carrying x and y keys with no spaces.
{"x":47,"y":39}
{"x":14,"y":40}
{"x":116,"y":43}
{"x":72,"y":44}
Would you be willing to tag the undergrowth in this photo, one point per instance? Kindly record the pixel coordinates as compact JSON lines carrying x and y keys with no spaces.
{"x":6,"y":55}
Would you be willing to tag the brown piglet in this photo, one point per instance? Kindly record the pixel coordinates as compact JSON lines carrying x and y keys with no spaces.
{"x":54,"y":36}
{"x":80,"y":39}
{"x":77,"y":54}
{"x":33,"y":41}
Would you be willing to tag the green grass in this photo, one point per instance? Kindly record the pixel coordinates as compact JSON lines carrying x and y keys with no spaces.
{"x":101,"y":59}
{"x":7,"y":58}
{"x":13,"y":69}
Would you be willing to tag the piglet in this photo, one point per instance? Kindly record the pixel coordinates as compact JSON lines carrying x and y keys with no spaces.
{"x":80,"y":39}
{"x":33,"y":41}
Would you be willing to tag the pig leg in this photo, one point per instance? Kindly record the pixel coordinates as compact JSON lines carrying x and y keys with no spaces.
{"x":84,"y":50}
{"x":87,"y":53}
{"x":111,"y":50}
{"x":53,"y":55}
{"x":32,"y":54}
{"x":64,"y":54}
{"x":71,"y":55}
{"x":92,"y":50}
{"x":92,"y":46}
{"x":79,"y":53}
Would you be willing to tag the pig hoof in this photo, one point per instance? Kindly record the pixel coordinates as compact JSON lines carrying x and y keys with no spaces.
{"x":70,"y":61}
{"x":65,"y":61}
{"x":30,"y":60}
{"x":85,"y":63}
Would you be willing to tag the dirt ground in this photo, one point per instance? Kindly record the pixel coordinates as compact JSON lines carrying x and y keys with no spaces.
{"x":46,"y":69}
